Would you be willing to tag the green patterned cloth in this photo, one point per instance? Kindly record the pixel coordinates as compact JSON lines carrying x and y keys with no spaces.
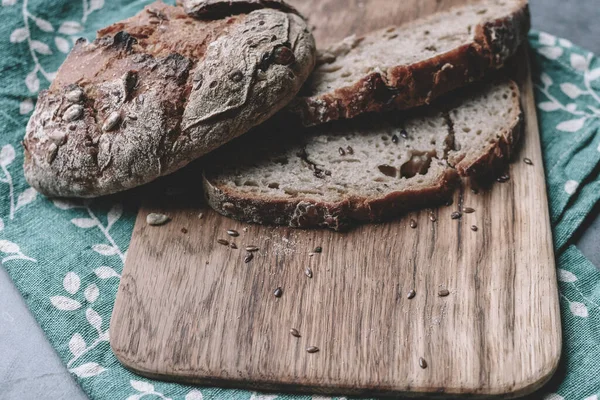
{"x":66,"y":257}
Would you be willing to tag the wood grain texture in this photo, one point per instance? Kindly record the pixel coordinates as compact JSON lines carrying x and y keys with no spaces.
{"x":190,"y":310}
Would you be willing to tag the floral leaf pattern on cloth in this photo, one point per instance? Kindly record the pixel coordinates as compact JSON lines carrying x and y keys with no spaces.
{"x":66,"y":256}
{"x":568,"y":100}
{"x":582,"y":64}
{"x":91,"y":220}
{"x":7,"y":156}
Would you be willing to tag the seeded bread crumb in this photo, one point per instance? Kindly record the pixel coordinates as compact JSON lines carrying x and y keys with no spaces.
{"x":369,"y":169}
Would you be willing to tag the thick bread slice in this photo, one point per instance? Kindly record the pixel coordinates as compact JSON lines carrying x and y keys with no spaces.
{"x":368,"y":169}
{"x":486,"y":129}
{"x":158,"y":90}
{"x":407,"y":66}
{"x":209,"y":9}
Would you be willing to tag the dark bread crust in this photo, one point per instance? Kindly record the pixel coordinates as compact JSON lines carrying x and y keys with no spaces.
{"x":307,"y":213}
{"x":211,"y":9}
{"x":412,"y":85}
{"x":157,"y":91}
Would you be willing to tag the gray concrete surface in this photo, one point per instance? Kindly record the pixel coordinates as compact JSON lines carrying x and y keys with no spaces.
{"x":29,"y":367}
{"x":576,"y":20}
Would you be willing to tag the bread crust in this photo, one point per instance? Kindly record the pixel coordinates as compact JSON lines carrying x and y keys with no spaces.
{"x":157,"y":91}
{"x":339,"y":216}
{"x":412,"y":85}
{"x":210,"y":9}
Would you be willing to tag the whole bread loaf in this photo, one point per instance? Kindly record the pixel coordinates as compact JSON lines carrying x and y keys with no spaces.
{"x":158,"y":90}
{"x":368,"y":169}
{"x":410,"y":65}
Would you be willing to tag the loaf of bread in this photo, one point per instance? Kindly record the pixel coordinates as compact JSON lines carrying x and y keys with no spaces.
{"x":158,"y":90}
{"x":368,"y":169}
{"x":410,"y":65}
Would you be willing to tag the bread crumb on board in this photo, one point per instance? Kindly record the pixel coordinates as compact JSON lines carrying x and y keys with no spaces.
{"x":280,"y":245}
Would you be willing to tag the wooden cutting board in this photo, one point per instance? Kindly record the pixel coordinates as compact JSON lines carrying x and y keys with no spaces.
{"x":190,"y":310}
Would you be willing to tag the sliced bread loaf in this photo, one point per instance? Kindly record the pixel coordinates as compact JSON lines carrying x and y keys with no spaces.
{"x":372,"y":168}
{"x":410,"y":65}
{"x":158,"y":90}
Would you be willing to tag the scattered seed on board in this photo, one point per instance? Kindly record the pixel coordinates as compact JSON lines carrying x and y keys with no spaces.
{"x":245,"y":229}
{"x":278,"y":292}
{"x":157,"y":219}
{"x":294,"y":332}
{"x":184,"y":231}
{"x":527,"y":161}
{"x":350,"y":150}
{"x":223,"y":242}
{"x":411,"y":294}
{"x":456,"y":215}
{"x":413,"y":224}
{"x":468,"y":210}
{"x":404,"y":134}
{"x":312,"y":349}
{"x":503,"y":178}
{"x":248,"y":258}
{"x":233,"y":246}
{"x":449,"y":202}
{"x":395,"y":139}
{"x":201,"y":215}
{"x":308,"y":272}
{"x":318,"y":249}
{"x":443,"y":293}
{"x":233,"y":233}
{"x":342,"y":152}
{"x":422,"y":363}
{"x":474,"y":228}
{"x":432,"y":217}
{"x":251,"y":249}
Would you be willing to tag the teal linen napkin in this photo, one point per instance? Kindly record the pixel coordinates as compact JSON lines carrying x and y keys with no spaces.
{"x":66,"y":257}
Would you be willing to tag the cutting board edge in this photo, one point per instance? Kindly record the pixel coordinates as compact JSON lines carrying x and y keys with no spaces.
{"x":504,"y":391}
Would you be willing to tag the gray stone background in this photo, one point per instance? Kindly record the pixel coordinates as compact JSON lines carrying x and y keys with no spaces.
{"x":29,"y":367}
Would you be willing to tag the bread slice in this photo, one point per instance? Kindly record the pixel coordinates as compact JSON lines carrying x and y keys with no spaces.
{"x":158,"y":90}
{"x":410,"y":65}
{"x":369,"y":169}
